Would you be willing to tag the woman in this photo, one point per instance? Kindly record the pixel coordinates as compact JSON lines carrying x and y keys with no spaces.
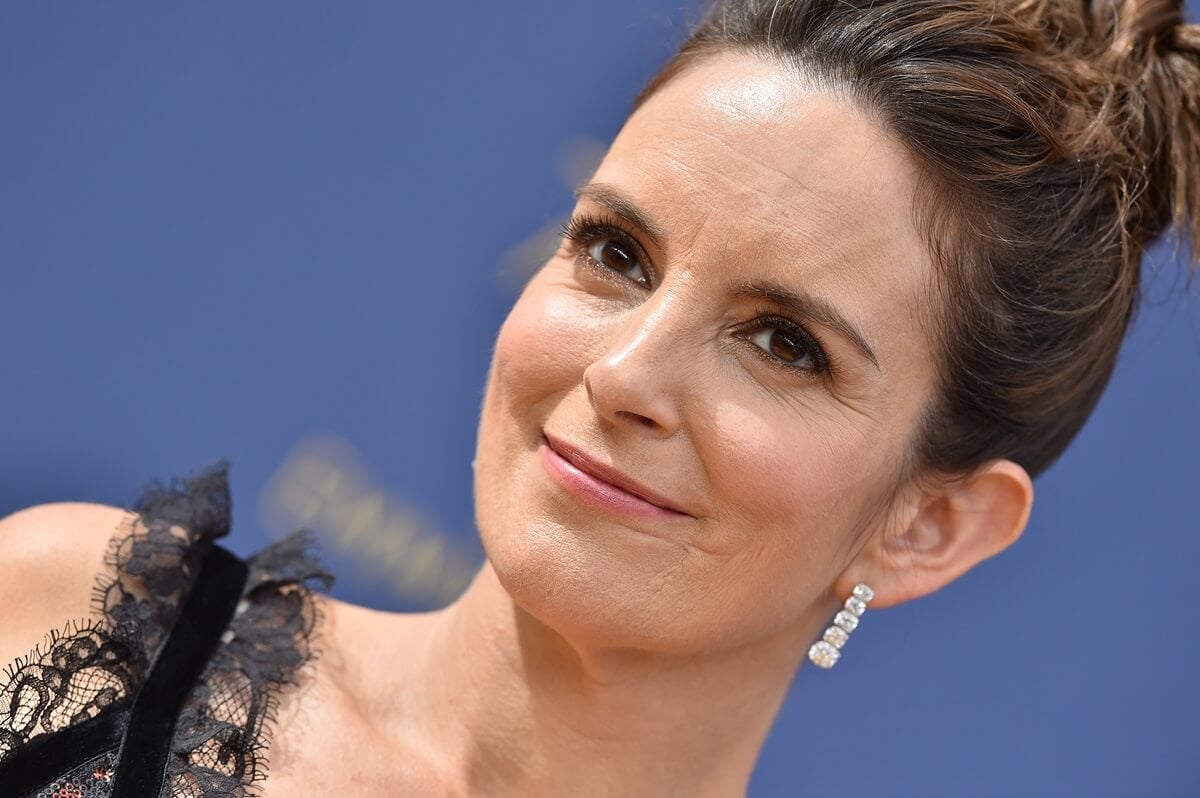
{"x":850,"y":276}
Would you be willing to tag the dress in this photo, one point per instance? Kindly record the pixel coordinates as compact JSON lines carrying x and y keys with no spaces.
{"x":169,"y":690}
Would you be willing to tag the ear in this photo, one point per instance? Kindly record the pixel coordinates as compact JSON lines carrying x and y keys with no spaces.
{"x":942,"y":534}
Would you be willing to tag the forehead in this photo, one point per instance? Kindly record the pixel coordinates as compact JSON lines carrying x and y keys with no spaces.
{"x":751,"y":171}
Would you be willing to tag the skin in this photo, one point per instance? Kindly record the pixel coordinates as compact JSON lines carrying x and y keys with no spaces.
{"x":598,"y":655}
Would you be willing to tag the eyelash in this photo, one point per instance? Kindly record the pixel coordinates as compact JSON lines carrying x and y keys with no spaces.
{"x":584,"y":229}
{"x":766,"y":317}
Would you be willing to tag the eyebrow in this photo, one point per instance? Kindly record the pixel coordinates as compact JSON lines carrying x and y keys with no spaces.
{"x":806,"y":305}
{"x":612,"y":198}
{"x":798,"y":303}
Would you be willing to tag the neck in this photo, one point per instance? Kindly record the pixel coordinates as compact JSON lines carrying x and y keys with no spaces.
{"x":505,"y":705}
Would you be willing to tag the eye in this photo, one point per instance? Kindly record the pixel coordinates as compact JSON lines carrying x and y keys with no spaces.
{"x":782,"y":345}
{"x":612,"y":253}
{"x":788,"y":345}
{"x":606,"y":246}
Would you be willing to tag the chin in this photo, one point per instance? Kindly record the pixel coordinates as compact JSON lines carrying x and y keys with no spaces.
{"x":557,"y":575}
{"x":592,"y":584}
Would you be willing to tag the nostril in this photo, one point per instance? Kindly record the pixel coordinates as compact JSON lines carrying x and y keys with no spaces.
{"x":645,"y":421}
{"x":629,"y":399}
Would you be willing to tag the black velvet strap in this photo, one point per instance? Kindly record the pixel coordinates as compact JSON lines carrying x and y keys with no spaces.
{"x":47,"y":757}
{"x":196,"y":634}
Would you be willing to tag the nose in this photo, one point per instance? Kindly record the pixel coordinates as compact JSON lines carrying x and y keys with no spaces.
{"x":631,"y":384}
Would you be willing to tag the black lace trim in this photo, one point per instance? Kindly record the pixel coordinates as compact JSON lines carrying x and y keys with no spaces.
{"x":152,"y":561}
{"x":81,"y":670}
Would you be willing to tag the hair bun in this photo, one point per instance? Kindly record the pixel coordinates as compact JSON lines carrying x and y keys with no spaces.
{"x":1146,"y":24}
{"x":1152,"y":58}
{"x":1186,"y":38}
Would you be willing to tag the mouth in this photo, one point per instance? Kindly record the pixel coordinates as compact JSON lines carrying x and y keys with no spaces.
{"x":600,"y":484}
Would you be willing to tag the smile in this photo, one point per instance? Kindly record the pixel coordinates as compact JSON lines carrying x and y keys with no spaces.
{"x":568,"y":470}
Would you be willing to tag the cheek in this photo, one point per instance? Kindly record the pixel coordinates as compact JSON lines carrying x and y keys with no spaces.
{"x":791,"y":495}
{"x":804,"y":478}
{"x":543,"y":346}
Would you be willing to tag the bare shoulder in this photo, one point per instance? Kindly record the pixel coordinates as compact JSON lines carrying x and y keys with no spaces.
{"x":345,"y":712}
{"x":49,"y":557}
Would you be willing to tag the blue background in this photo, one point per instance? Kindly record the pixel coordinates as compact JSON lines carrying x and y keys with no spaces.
{"x":286,"y":233}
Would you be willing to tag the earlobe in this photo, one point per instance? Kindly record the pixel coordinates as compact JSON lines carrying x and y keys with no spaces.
{"x":946,"y":534}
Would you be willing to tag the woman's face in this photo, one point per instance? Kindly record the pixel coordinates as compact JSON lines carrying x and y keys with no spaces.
{"x":737,"y":213}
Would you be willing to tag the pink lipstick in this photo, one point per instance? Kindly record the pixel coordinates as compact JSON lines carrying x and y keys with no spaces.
{"x":575,"y":473}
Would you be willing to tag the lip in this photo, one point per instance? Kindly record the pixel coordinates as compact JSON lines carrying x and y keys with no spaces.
{"x":582,"y":475}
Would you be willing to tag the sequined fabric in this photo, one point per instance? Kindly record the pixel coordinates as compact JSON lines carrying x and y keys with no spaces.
{"x":92,"y":779}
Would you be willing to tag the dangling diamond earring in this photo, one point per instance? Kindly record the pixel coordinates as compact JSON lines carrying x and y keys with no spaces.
{"x":825,"y":652}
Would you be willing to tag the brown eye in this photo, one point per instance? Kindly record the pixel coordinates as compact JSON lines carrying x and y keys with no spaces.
{"x":613,"y":254}
{"x":785,"y":346}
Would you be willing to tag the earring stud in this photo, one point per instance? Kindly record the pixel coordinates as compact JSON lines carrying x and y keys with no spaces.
{"x":826,"y":651}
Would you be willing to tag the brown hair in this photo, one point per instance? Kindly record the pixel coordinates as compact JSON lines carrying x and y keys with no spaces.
{"x":1056,"y":142}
